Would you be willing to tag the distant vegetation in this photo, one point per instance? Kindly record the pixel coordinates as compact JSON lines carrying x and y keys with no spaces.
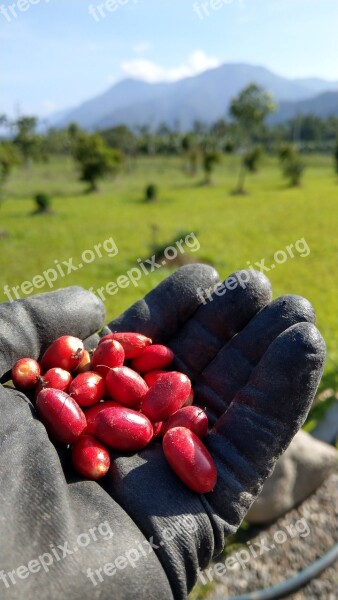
{"x":110,"y":151}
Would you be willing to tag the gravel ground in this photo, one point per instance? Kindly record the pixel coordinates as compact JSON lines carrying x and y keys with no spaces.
{"x":314,"y":529}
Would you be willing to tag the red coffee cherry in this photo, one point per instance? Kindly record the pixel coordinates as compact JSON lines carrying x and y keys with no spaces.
{"x":153,"y":357}
{"x":25,"y":374}
{"x":166,"y":396}
{"x":123,"y":429}
{"x":133,"y":344}
{"x":108,"y":354}
{"x":61,"y":415}
{"x":190,"y":459}
{"x":66,"y":352}
{"x":191,"y":417}
{"x":90,"y":458}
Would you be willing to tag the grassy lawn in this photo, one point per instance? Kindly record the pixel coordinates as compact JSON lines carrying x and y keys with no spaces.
{"x":233,"y":231}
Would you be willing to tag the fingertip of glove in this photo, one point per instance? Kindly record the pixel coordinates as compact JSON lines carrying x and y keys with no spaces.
{"x":301,"y":343}
{"x":167,"y":306}
{"x":254,"y":282}
{"x":296,"y":306}
{"x":201,"y":273}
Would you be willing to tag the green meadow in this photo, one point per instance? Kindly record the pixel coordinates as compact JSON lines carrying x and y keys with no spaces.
{"x":233,"y":231}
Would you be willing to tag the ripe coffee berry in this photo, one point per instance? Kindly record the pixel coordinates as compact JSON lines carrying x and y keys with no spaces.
{"x":152,"y":376}
{"x":126,"y":386}
{"x":56,"y":378}
{"x":61,"y":415}
{"x":166,"y":396}
{"x":190,"y":459}
{"x":158,"y":429}
{"x":108,"y":354}
{"x":66,"y":352}
{"x":25,"y":374}
{"x":90,"y":458}
{"x":87,"y":388}
{"x":91,"y":413}
{"x":191,"y":417}
{"x":133,"y":343}
{"x":123,"y":429}
{"x":153,"y":357}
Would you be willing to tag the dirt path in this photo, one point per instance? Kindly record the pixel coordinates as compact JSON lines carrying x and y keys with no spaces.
{"x":292,"y":543}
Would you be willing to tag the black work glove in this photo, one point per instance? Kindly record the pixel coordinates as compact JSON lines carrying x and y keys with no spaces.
{"x":255,"y":366}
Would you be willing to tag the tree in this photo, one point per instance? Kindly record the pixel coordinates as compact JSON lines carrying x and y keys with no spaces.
{"x":190,"y":153}
{"x":286,"y":152}
{"x":210,"y":157}
{"x":252,"y":159}
{"x":293,"y":171}
{"x":122,"y":138}
{"x":73,"y":131}
{"x":145,"y":140}
{"x":28,"y":142}
{"x":291,"y":164}
{"x":57,"y":141}
{"x":4,"y":122}
{"x":249,"y":110}
{"x":336,"y":156}
{"x":94,"y":158}
{"x":9,"y":158}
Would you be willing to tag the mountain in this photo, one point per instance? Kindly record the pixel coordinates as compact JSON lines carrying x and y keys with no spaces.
{"x":88,"y":114}
{"x":204,"y":97}
{"x":323,"y":106}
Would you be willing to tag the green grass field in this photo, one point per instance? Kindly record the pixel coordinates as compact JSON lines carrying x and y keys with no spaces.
{"x":233,"y":231}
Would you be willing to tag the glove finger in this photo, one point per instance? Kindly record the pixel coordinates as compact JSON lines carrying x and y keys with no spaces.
{"x":230,"y":370}
{"x":163,"y":311}
{"x":28,"y":326}
{"x":221,"y":317}
{"x":263,"y":418}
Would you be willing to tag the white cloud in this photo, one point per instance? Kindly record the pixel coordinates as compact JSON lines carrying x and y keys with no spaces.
{"x":141,"y":47}
{"x":197,"y":62}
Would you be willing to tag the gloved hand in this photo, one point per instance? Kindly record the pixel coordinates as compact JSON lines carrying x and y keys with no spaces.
{"x":255,"y":366}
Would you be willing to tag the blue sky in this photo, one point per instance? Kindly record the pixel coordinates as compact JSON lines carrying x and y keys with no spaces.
{"x":55,"y":53}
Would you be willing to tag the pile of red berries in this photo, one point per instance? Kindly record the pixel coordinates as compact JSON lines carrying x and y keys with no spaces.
{"x":95,"y":402}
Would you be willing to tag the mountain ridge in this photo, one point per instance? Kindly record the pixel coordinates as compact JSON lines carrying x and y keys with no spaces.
{"x":203,"y":97}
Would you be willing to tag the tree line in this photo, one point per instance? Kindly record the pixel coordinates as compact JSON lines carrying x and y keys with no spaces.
{"x":246,"y":133}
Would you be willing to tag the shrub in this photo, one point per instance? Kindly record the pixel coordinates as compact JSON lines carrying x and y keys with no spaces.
{"x":210,"y":159}
{"x":43,"y":203}
{"x":94,"y":158}
{"x":151,"y":192}
{"x":336,"y":157}
{"x":293,"y":170}
{"x":9,"y":158}
{"x":286,"y":153}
